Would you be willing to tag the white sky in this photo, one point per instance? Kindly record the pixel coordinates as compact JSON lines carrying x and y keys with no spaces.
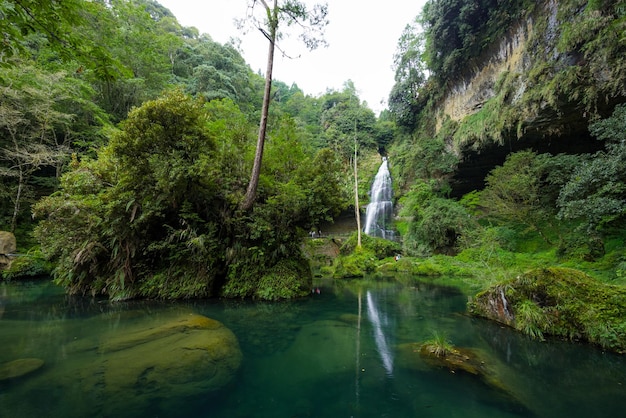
{"x":362,"y":37}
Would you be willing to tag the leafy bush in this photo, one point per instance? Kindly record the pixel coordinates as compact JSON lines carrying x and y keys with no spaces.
{"x":437,"y":228}
{"x":379,"y":247}
{"x":288,"y":279}
{"x":32,"y":265}
{"x":356,"y":264}
{"x":596,"y":191}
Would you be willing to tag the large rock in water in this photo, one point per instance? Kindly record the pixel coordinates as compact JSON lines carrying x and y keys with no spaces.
{"x":428,"y":356}
{"x":188,"y":355}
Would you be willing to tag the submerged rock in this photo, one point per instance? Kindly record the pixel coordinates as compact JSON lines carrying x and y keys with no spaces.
{"x":558,"y":301}
{"x":425,"y":356}
{"x":428,"y":356}
{"x":188,"y":355}
{"x":18,"y":368}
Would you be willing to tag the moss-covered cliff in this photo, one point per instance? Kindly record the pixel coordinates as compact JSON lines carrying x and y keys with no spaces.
{"x":529,"y":75}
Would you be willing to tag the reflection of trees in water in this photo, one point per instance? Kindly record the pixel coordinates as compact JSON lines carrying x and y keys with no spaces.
{"x":545,"y":372}
{"x":265,"y":327}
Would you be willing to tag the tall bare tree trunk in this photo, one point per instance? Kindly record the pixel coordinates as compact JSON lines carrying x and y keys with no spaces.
{"x":250,"y":196}
{"x":357,"y":209}
{"x":18,"y":197}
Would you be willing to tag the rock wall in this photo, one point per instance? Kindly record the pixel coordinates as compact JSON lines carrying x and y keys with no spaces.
{"x":518,"y":84}
{"x":469,"y":95}
{"x":8,"y":245}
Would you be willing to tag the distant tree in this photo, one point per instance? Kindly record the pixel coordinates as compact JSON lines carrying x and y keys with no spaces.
{"x":134,"y":32}
{"x":274,"y":17}
{"x":341,"y":110}
{"x":515,"y":190}
{"x":410,"y":76}
{"x":214,"y":71}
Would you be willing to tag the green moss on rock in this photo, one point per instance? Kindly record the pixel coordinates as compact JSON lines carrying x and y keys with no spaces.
{"x":560,"y":302}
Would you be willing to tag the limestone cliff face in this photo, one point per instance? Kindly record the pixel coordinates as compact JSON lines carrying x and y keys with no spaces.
{"x":468,"y":96}
{"x":538,"y":87}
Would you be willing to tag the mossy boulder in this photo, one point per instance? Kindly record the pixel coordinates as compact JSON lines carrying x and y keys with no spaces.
{"x":357,"y":264}
{"x":561,"y":302}
{"x":425,"y":356}
{"x":8,"y":244}
{"x":18,"y":368}
{"x":171,"y":358}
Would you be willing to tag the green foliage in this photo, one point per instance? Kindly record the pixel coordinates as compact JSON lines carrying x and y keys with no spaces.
{"x":437,"y":223}
{"x":529,"y":319}
{"x":358,"y":263}
{"x":405,"y":101}
{"x":379,"y":247}
{"x":596,"y":191}
{"x":513,"y":189}
{"x":57,"y":26}
{"x":439,"y":345}
{"x":565,"y":303}
{"x":31,"y":265}
{"x":424,"y":159}
{"x":215,"y":71}
{"x":139,"y":218}
{"x":288,"y":279}
{"x":38,"y":110}
{"x":345,"y":120}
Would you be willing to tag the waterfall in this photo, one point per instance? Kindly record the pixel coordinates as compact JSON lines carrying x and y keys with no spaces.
{"x":380,"y":209}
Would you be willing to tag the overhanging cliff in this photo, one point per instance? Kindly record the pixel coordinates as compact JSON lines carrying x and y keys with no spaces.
{"x":538,"y":87}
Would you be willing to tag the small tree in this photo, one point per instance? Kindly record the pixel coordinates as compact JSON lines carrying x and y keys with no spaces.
{"x":514,"y":190}
{"x":288,"y":13}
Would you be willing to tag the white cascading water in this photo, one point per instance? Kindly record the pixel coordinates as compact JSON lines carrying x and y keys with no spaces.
{"x":380,"y":209}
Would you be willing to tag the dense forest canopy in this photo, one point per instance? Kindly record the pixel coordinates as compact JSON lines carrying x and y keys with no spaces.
{"x":142,"y":141}
{"x":131,"y":140}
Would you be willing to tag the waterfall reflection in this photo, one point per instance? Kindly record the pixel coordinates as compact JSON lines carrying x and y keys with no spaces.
{"x":380,"y":323}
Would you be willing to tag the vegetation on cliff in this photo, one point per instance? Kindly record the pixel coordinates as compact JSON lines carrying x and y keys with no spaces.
{"x":471,"y":78}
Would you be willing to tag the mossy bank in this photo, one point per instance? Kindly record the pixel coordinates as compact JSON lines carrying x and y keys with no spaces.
{"x":560,"y":302}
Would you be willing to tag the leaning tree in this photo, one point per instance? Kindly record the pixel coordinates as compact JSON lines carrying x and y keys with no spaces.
{"x":269,"y":19}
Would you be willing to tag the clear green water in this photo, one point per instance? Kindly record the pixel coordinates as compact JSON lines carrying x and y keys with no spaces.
{"x":335,"y":354}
